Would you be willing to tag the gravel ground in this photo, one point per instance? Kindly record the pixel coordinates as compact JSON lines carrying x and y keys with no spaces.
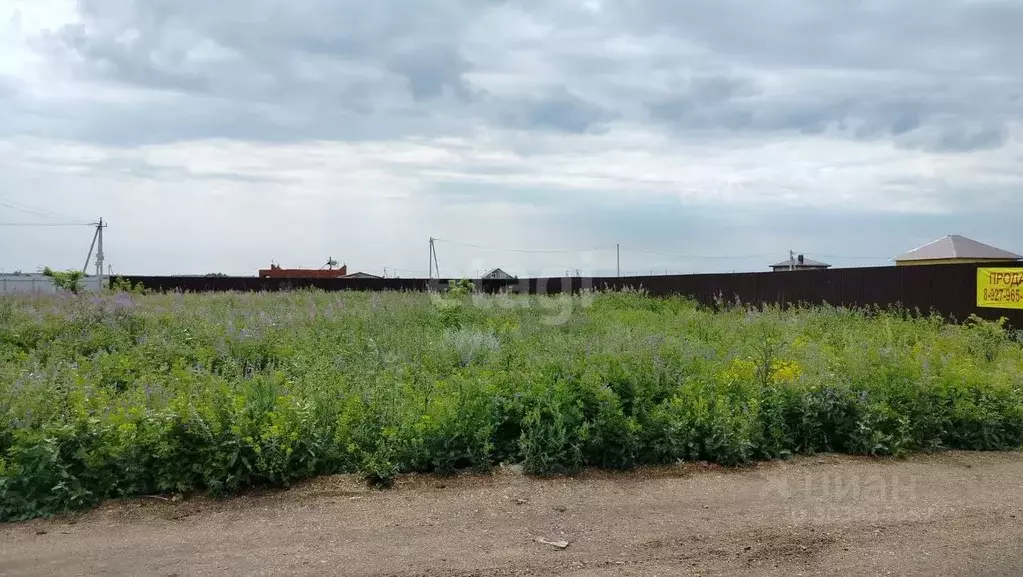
{"x":946,"y":514}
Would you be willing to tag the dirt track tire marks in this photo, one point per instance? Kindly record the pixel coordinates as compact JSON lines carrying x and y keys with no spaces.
{"x":944,"y":514}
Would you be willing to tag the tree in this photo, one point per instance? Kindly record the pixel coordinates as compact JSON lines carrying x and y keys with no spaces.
{"x":69,"y":280}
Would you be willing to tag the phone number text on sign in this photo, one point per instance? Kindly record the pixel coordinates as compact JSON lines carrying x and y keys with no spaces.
{"x":1000,"y":288}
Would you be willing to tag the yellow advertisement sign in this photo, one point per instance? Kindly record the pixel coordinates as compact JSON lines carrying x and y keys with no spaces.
{"x":1000,"y":288}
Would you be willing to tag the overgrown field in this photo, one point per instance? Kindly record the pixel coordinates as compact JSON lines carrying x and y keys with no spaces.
{"x":127,"y":394}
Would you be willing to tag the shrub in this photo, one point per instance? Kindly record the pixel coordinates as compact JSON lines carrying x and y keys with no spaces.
{"x":129,"y":394}
{"x":69,"y":280}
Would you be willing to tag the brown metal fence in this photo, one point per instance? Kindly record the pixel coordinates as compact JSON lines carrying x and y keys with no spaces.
{"x":948,"y":290}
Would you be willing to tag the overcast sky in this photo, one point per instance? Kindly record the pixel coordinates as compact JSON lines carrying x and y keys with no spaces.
{"x":214,"y":136}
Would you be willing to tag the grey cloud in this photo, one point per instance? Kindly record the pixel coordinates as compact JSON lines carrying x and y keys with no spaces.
{"x":461,"y":192}
{"x":952,"y":135}
{"x":18,"y":114}
{"x":915,"y":114}
{"x":558,"y":110}
{"x":132,"y":61}
{"x":176,"y":119}
{"x":958,"y":136}
{"x":142,"y":168}
{"x":431,"y":70}
{"x":320,"y":65}
{"x":263,"y":48}
{"x":8,"y":88}
{"x":706,"y":101}
{"x":9,"y":114}
{"x":939,"y":76}
{"x":942,"y":35}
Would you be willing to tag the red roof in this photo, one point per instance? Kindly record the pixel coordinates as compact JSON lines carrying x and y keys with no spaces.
{"x":277,"y":272}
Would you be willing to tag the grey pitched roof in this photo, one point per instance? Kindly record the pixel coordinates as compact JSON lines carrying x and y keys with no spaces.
{"x":806,"y":262}
{"x":497,"y":273}
{"x":956,"y":246}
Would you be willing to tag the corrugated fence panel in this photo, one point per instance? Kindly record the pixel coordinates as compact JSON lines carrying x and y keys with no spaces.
{"x":948,"y":290}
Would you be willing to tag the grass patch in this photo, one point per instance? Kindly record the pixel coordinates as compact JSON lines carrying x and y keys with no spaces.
{"x":127,"y":394}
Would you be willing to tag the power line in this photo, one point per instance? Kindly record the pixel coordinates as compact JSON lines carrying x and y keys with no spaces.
{"x":693,"y":256}
{"x":32,"y":224}
{"x":749,"y":256}
{"x":557,"y":250}
{"x":408,"y":270}
{"x":651,"y":252}
{"x":35,"y":212}
{"x":853,"y":257}
{"x":25,"y":209}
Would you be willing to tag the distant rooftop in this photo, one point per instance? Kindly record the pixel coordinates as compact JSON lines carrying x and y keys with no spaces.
{"x":498,"y":274}
{"x":800,"y":262}
{"x":955,"y":246}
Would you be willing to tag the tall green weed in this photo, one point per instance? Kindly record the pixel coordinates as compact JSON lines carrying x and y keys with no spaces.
{"x":128,"y":394}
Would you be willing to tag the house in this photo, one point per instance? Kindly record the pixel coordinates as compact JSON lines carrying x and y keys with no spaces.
{"x":799,"y":262}
{"x":329,"y":270}
{"x":955,"y":249}
{"x":498,"y":274}
{"x":361,"y":275}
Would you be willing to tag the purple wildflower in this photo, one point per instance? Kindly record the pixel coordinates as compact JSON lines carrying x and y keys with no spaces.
{"x":124,"y":301}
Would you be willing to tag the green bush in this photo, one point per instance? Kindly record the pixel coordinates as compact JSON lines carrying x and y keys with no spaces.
{"x":127,"y":394}
{"x":69,"y":280}
{"x":461,"y":287}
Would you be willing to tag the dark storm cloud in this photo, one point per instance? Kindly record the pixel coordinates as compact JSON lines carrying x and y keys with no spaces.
{"x":940,"y":76}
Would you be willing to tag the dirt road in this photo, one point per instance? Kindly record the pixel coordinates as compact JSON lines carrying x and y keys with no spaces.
{"x":948,"y":514}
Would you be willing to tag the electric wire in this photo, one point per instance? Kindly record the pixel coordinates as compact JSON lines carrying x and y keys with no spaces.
{"x":748,"y":256}
{"x":612,"y":248}
{"x":36,"y":212}
{"x":832,"y":256}
{"x":404,"y":270}
{"x":651,"y":252}
{"x":693,"y":256}
{"x":35,"y":224}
